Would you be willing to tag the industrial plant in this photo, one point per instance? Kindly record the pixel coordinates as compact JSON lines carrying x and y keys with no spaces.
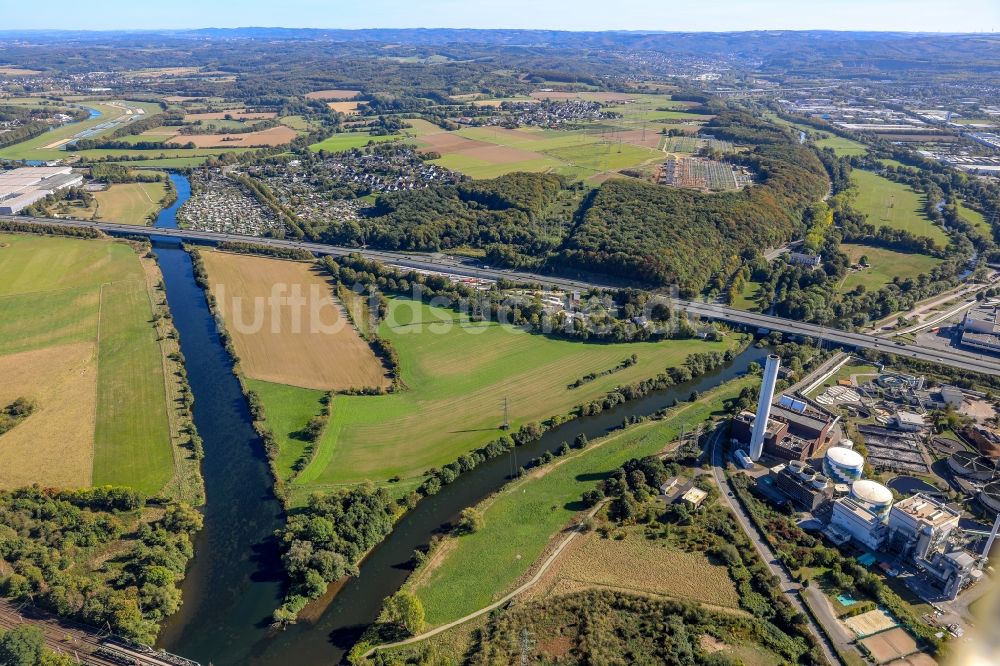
{"x":797,"y":451}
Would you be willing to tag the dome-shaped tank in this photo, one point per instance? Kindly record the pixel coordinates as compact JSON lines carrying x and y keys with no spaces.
{"x":873,"y":496}
{"x":843,"y":465}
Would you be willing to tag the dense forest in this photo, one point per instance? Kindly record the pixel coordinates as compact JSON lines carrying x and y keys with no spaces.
{"x":95,"y":555}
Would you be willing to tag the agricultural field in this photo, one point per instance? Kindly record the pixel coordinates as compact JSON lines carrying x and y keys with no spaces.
{"x":314,"y":348}
{"x":487,"y":152}
{"x":456,"y":375}
{"x":884,"y":266}
{"x":843,"y":147}
{"x":130,"y":203}
{"x":333,"y":95}
{"x":892,"y":204}
{"x":520,"y":521}
{"x":76,"y":337}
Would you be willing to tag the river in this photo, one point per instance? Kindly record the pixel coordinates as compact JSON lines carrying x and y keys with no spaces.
{"x":234,"y":581}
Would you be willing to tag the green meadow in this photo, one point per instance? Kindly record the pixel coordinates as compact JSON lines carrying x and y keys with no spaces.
{"x":891,"y":204}
{"x":522,"y":519}
{"x":457,"y":375}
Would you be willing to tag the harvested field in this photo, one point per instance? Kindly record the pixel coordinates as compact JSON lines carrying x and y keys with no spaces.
{"x":646,"y":138}
{"x":235,"y":114}
{"x":55,"y":445}
{"x":870,"y":623}
{"x":18,"y":71}
{"x":350,"y":108}
{"x":451,"y":143}
{"x":275,"y":136}
{"x":333,"y":95}
{"x":889,"y":645}
{"x":637,"y":565}
{"x":916,"y":659}
{"x":276,"y":342}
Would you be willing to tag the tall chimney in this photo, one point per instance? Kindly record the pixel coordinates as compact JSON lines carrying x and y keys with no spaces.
{"x":993,"y":536}
{"x":764,"y":406}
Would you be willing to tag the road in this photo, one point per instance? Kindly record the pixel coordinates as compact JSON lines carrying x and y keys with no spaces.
{"x":788,"y":586}
{"x":965,"y":360}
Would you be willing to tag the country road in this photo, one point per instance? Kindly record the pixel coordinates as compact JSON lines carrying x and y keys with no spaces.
{"x":788,"y":586}
{"x":956,"y":358}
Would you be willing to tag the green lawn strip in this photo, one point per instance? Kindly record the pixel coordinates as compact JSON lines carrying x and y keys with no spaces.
{"x":132,"y":436}
{"x":891,"y":204}
{"x":884,"y":266}
{"x":288,"y":410}
{"x":527,"y":514}
{"x":457,"y":380}
{"x":34,"y":149}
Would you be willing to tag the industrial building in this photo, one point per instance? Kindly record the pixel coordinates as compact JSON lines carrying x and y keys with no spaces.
{"x":851,"y":520}
{"x":19,"y":188}
{"x":802,"y":484}
{"x":794,"y":431}
{"x":920,"y":525}
{"x":981,"y":327}
{"x":873,"y":496}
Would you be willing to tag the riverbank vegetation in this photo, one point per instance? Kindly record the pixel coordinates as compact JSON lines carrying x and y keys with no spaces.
{"x":102,"y":556}
{"x":468,"y":572}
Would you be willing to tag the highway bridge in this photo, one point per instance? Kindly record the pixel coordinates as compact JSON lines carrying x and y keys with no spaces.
{"x":966,"y":360}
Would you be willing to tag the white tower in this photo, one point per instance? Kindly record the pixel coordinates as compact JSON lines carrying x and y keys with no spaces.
{"x":993,"y":536}
{"x":764,"y":406}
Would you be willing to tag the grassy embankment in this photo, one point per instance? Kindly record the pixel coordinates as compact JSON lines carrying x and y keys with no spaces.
{"x":522,"y":519}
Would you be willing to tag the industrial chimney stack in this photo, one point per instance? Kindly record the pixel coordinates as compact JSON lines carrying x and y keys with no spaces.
{"x":764,"y":406}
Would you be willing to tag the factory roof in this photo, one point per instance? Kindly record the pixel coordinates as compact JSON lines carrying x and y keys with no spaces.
{"x":800,"y":418}
{"x":926,"y":509}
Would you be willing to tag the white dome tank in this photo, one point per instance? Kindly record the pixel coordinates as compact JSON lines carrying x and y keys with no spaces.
{"x":843,"y":465}
{"x":873,"y":496}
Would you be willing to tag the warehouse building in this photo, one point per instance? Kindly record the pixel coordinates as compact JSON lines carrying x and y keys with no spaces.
{"x":981,"y":327}
{"x":19,"y":188}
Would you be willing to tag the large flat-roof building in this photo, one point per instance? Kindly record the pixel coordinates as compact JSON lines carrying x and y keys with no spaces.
{"x":981,"y":327}
{"x":852,"y":519}
{"x":920,"y":525}
{"x":19,"y":188}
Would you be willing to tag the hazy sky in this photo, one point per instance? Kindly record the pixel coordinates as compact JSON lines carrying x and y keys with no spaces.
{"x":717,"y":15}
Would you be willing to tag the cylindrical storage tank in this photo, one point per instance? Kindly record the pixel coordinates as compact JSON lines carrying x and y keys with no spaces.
{"x":989,"y":496}
{"x":819,"y":482}
{"x":873,"y":496}
{"x":845,"y":444}
{"x":843,"y":465}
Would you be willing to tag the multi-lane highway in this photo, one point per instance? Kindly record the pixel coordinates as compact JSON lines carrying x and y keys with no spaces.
{"x":966,"y":360}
